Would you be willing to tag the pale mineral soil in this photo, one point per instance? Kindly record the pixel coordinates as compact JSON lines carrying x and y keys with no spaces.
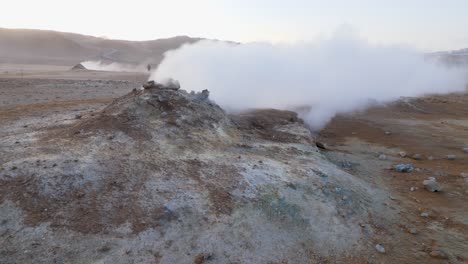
{"x":234,"y":228}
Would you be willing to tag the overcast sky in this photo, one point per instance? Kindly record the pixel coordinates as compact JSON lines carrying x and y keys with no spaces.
{"x":426,"y":24}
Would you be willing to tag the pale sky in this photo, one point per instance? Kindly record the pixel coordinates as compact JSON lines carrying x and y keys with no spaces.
{"x":429,"y":25}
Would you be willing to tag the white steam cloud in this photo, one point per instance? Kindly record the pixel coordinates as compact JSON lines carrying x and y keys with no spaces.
{"x":338,"y":75}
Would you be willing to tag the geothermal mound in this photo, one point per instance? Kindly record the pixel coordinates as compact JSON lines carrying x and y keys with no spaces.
{"x":78,"y":66}
{"x":158,"y":112}
{"x":165,"y":175}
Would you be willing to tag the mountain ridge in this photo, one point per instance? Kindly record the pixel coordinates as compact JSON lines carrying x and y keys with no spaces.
{"x":62,"y":48}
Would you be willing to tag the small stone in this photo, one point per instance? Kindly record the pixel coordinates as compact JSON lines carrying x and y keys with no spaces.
{"x":382,"y":157}
{"x":202,"y":258}
{"x":411,"y":189}
{"x":465,"y":150}
{"x":404,"y":168}
{"x":388,"y":133}
{"x":320,"y":145}
{"x":430,"y":158}
{"x":432,"y":185}
{"x":204,"y":95}
{"x":451,"y":157}
{"x":149,"y":85}
{"x":380,"y":249}
{"x":417,"y":157}
{"x":413,"y":230}
{"x":438,"y":254}
{"x":402,"y":154}
{"x":425,"y":214}
{"x":77,"y":116}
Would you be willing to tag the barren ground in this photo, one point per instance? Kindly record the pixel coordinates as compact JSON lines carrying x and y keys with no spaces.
{"x":78,"y":188}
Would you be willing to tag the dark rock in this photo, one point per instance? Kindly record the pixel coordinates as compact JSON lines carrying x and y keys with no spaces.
{"x":203,"y":95}
{"x":320,"y":145}
{"x":404,"y":168}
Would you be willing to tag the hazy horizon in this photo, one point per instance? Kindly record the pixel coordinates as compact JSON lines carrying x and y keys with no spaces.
{"x":426,"y":25}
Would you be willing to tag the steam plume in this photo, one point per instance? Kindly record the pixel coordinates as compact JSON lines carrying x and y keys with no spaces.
{"x":337,"y":75}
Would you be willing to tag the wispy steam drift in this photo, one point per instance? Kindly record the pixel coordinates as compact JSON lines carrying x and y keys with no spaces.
{"x":337,"y":75}
{"x":113,"y":66}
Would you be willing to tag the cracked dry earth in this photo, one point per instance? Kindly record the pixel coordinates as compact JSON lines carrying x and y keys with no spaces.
{"x":165,"y":176}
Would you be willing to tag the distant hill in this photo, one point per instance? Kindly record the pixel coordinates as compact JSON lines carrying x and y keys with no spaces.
{"x":30,"y":46}
{"x":457,"y":58}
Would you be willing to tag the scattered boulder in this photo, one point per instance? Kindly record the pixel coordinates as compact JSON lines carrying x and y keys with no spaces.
{"x":440,"y":254}
{"x":402,"y":154}
{"x":404,"y":168}
{"x":451,"y":157}
{"x":432,"y":185}
{"x":152,"y":85}
{"x":78,"y":116}
{"x":425,"y":214}
{"x":465,"y":150}
{"x":464,"y":176}
{"x":204,"y":95}
{"x":380,"y":248}
{"x":382,"y":157}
